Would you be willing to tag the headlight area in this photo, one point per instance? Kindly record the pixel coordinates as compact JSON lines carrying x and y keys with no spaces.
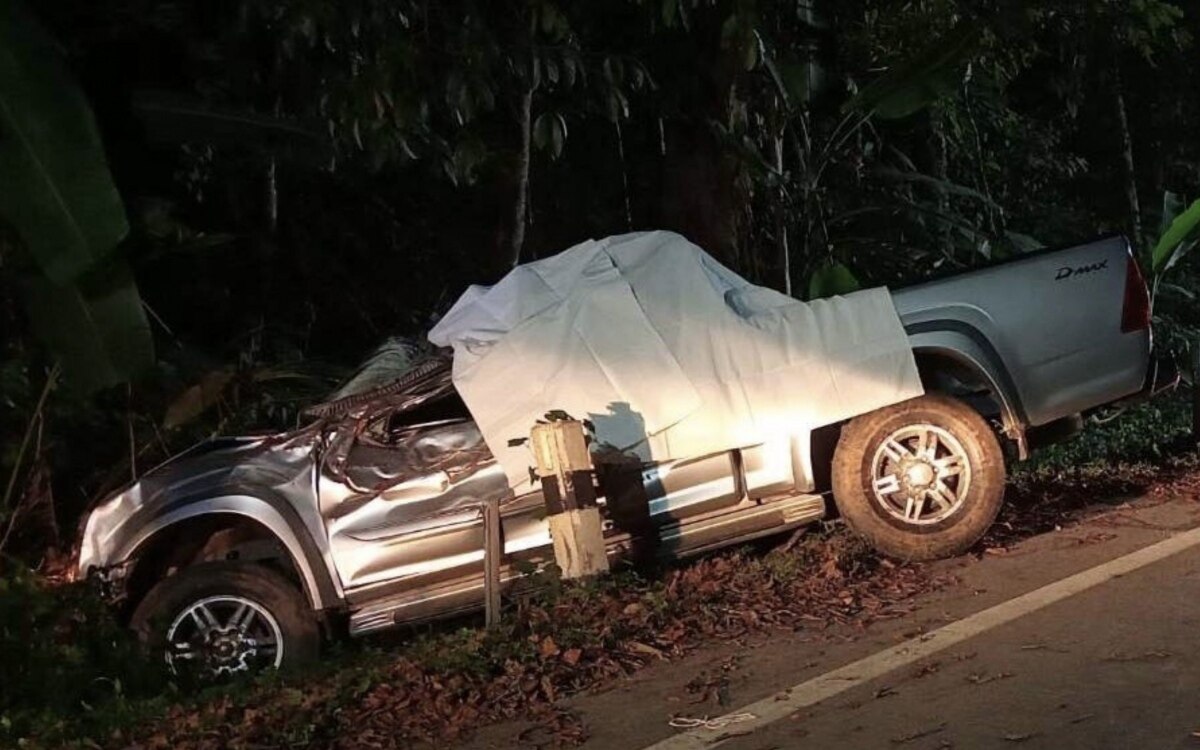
{"x":100,"y":534}
{"x":111,"y":581}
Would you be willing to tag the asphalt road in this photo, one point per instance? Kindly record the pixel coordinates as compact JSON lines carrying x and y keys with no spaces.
{"x":1113,"y":666}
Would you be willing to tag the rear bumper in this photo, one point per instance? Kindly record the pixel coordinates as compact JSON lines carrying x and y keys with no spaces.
{"x":1162,"y":375}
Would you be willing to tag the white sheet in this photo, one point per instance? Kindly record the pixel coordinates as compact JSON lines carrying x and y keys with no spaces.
{"x":669,"y":353}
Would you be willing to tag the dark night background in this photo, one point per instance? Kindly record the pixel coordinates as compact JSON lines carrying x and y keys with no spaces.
{"x":304,"y":179}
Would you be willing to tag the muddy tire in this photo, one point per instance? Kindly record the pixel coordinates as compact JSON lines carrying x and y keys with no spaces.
{"x":223,"y":618}
{"x":919,"y":480}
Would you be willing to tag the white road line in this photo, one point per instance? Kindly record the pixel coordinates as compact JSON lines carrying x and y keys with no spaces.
{"x":808,"y":693}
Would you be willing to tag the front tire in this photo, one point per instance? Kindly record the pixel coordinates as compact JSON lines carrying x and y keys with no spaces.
{"x":919,"y":480}
{"x":222,"y":618}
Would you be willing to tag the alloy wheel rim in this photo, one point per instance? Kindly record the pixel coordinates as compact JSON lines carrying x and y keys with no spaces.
{"x":224,"y":635}
{"x":920,"y":474}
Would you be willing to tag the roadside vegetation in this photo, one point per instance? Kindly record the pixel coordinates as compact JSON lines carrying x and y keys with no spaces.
{"x":274,"y":187}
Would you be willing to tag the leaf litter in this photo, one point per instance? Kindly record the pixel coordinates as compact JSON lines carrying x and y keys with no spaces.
{"x":554,"y":643}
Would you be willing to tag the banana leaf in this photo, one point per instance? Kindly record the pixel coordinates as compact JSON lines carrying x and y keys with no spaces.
{"x":950,"y":188}
{"x":1023,"y":243}
{"x":198,"y":399}
{"x":915,"y":84}
{"x":392,"y":359}
{"x":58,"y":193}
{"x":172,"y":119}
{"x":796,"y":81}
{"x":831,"y":279}
{"x":95,"y":326}
{"x":1171,"y":208}
{"x":1178,"y":239}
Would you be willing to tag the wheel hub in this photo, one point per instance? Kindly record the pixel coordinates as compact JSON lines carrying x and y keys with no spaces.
{"x":227,"y":651}
{"x":920,"y":474}
{"x":223,"y":635}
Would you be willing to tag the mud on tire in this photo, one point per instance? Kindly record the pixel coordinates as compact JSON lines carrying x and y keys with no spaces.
{"x":919,"y":480}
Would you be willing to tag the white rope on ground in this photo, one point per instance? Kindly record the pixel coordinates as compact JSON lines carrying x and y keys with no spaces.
{"x":687,"y":722}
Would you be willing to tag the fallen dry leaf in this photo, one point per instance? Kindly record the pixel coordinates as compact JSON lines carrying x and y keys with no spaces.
{"x":1145,"y":656}
{"x":905,"y":739}
{"x":978,"y":678}
{"x":642,"y":648}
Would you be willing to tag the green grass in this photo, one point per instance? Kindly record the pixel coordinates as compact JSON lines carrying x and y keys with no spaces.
{"x":1148,"y":434}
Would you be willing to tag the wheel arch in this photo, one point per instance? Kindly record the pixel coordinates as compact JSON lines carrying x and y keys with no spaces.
{"x":967,"y":356}
{"x":188,"y":528}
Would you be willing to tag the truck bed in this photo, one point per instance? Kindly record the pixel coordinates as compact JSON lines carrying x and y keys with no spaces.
{"x":1057,"y":331}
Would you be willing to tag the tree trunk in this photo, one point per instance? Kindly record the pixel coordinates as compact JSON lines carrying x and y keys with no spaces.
{"x":701,"y":196}
{"x":272,"y":198}
{"x":941,"y":170}
{"x":994,"y":222}
{"x":1131,"y":191}
{"x":781,"y":218}
{"x":698,"y":192}
{"x":624,"y":174}
{"x":509,"y":194}
{"x":516,"y":236}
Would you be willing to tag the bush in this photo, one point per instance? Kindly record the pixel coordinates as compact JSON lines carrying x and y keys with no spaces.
{"x":70,"y":670}
{"x":1149,"y":432}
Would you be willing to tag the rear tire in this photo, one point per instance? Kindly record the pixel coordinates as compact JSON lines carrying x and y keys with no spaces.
{"x":221,"y":618}
{"x":919,"y":480}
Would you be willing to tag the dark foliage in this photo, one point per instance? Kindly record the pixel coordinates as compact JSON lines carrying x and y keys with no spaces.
{"x":68,"y":666}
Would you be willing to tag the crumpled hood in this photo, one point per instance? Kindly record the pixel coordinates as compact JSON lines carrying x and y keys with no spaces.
{"x":281,"y":462}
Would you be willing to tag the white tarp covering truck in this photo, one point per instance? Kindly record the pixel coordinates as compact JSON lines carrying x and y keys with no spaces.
{"x":668,"y":353}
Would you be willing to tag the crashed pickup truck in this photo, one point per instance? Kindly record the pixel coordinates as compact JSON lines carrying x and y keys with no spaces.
{"x":713,"y":425}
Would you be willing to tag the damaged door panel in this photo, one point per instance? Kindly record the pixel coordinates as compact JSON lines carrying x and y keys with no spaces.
{"x":403,"y":503}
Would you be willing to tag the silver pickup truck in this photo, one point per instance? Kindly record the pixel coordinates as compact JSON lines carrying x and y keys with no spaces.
{"x":241,"y":553}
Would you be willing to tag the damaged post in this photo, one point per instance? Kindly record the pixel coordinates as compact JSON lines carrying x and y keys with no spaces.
{"x":565,"y":468}
{"x":493,"y":550}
